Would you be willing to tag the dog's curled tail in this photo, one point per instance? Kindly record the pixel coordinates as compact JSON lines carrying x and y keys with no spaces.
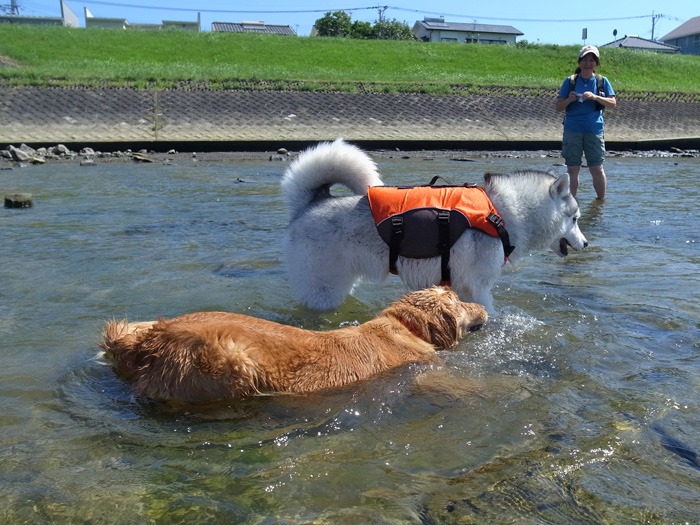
{"x":312,"y":174}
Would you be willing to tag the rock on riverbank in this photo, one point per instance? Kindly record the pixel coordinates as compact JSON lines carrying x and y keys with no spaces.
{"x":23,"y":155}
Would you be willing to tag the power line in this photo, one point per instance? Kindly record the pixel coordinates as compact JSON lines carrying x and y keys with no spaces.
{"x":379,"y":7}
{"x":472,"y":17}
{"x":239,"y":11}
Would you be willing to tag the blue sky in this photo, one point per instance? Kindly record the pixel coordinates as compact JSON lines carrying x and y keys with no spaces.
{"x":542,"y":22}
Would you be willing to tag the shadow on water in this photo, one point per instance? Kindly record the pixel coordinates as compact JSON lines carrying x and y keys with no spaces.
{"x":676,"y":446}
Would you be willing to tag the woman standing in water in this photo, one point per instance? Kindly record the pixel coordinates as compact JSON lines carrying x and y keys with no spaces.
{"x":583,"y":96}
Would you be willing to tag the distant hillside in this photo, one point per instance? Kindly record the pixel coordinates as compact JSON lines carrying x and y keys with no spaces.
{"x":46,"y":56}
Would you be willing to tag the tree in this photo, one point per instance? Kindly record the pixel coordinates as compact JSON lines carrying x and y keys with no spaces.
{"x":337,"y":23}
{"x":362,"y":30}
{"x":392,"y":30}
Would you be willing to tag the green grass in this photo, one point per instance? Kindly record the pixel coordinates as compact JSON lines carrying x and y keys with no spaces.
{"x":46,"y":56}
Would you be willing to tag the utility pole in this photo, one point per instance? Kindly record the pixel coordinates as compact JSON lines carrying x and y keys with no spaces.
{"x":654,"y":18}
{"x":12,"y":9}
{"x":382,"y":10}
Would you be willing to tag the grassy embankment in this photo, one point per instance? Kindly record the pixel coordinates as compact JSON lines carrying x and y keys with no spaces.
{"x":57,"y":56}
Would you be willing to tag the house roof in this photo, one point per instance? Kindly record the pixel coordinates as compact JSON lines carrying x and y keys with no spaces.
{"x":636,"y":42}
{"x":106,"y":19}
{"x":436,"y":23}
{"x":691,"y":27}
{"x":22,"y":19}
{"x":252,"y":27}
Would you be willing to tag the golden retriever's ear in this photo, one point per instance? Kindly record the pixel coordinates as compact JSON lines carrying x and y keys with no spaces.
{"x":431,"y":314}
{"x":444,"y":328}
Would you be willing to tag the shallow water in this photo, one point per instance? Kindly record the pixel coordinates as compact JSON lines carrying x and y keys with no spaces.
{"x":580,"y":403}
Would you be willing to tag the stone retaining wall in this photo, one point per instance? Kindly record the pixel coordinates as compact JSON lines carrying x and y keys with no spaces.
{"x":63,"y":115}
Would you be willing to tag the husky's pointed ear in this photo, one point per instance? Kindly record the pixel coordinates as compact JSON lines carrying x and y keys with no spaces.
{"x":560,"y":187}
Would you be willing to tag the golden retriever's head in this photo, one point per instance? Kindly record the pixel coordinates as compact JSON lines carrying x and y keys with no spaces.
{"x":437,"y":316}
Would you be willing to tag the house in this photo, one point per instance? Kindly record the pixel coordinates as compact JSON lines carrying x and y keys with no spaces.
{"x":67,"y":18}
{"x":106,"y":23}
{"x":32,"y":20}
{"x":686,"y":37}
{"x":437,"y":30}
{"x":122,"y":23}
{"x":641,"y":44}
{"x":184,"y":26}
{"x":252,"y":27}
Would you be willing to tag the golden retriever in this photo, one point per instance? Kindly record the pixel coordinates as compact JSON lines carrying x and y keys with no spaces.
{"x":208,"y":356}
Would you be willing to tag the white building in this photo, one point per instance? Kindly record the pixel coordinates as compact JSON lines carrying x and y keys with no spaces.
{"x":437,"y":30}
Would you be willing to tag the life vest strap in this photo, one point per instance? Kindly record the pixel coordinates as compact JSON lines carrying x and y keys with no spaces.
{"x":502,"y":233}
{"x":443,"y":220}
{"x":397,"y":233}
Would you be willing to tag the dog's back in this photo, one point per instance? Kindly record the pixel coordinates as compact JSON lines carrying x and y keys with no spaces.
{"x":188,"y":358}
{"x":214,"y":355}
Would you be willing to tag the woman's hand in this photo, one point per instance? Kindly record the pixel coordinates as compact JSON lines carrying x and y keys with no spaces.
{"x":607,"y":102}
{"x":562,"y":103}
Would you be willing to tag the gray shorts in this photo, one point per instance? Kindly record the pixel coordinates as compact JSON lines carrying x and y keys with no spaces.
{"x":576,"y":144}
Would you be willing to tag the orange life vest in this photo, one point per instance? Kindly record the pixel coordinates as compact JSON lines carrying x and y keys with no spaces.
{"x":420,"y":222}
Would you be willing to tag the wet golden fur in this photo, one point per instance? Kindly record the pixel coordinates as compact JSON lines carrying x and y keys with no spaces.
{"x":215,"y":355}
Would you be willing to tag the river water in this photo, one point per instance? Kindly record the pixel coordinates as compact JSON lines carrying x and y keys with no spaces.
{"x":579,"y":403}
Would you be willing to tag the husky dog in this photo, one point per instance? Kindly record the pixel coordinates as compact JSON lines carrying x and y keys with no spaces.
{"x":332,"y":242}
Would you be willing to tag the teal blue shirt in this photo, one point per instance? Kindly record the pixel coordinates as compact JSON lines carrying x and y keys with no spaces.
{"x":584,"y":117}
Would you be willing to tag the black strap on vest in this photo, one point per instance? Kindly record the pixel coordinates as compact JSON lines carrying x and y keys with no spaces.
{"x":443,"y":220}
{"x":502,"y":233}
{"x":396,"y":238}
{"x":437,"y":178}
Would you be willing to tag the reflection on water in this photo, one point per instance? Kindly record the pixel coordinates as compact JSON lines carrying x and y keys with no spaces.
{"x":577,"y":404}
